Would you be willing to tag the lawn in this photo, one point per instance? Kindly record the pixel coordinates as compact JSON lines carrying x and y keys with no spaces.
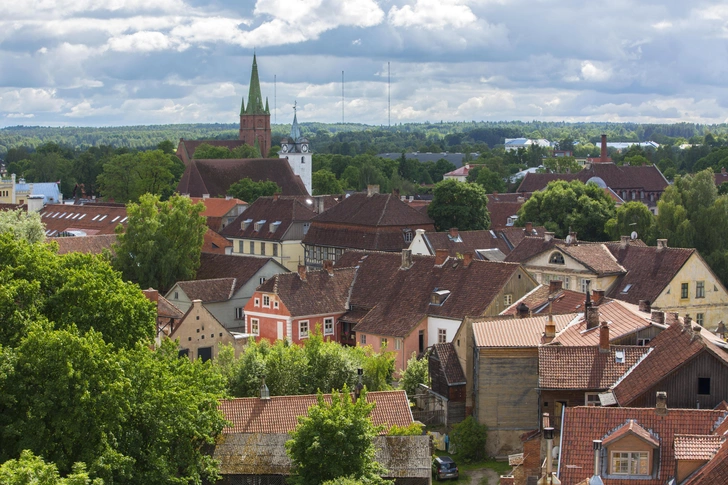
{"x":467,"y":469}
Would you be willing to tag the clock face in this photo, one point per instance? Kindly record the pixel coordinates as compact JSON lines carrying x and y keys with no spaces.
{"x":304,"y":148}
{"x":284,"y":148}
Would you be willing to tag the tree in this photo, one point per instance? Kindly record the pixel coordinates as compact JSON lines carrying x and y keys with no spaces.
{"x":324,"y":183}
{"x":335,"y":440}
{"x":162,"y":241}
{"x":205,"y":151}
{"x":565,"y":206}
{"x":468,"y":438}
{"x":459,"y":204}
{"x":249,"y":191}
{"x":632,"y":217}
{"x":127,"y":176}
{"x":561,"y":165}
{"x":29,"y":469}
{"x":22,"y":225}
{"x":490,"y":181}
{"x":416,"y":373}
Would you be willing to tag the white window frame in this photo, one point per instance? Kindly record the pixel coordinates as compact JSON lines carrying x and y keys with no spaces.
{"x":441,"y":335}
{"x":383,"y":342}
{"x":256,"y":302}
{"x":583,"y":283}
{"x":632,"y":469}
{"x":266,"y":301}
{"x":700,"y":319}
{"x":239,"y":313}
{"x":275,"y":304}
{"x":508,"y":300}
{"x":328,"y":326}
{"x":303,"y":329}
{"x":700,"y":289}
{"x":592,"y":399}
{"x":363,"y":339}
{"x":255,"y":326}
{"x":398,"y":344}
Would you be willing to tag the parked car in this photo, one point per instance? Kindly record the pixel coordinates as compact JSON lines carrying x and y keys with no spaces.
{"x":443,"y":467}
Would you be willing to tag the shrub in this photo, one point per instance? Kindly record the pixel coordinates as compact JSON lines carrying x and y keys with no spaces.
{"x":468,"y":438}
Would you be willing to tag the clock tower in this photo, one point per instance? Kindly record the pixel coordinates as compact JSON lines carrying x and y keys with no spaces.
{"x":297,"y":150}
{"x":255,"y":118}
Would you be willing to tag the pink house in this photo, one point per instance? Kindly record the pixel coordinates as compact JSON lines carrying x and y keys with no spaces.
{"x":291,"y":305}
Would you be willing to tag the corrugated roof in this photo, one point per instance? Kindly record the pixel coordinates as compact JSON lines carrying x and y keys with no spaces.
{"x":516,"y":332}
{"x":623,"y":319}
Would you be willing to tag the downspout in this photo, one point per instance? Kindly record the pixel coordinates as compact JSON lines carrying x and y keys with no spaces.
{"x":561,"y":439}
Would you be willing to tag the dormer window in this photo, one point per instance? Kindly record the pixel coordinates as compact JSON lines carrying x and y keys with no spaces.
{"x":259,"y":225}
{"x":630,"y":462}
{"x":407,"y":235}
{"x":438,"y":297}
{"x":556,"y":258}
{"x":631,"y":450}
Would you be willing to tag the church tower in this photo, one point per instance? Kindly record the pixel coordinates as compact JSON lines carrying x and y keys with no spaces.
{"x":255,"y":118}
{"x":297,"y":151}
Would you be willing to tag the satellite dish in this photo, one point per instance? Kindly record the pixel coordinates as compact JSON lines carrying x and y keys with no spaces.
{"x":633,"y":235}
{"x":568,"y":239}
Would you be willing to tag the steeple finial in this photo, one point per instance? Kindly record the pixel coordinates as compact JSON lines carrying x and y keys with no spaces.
{"x":295,"y":130}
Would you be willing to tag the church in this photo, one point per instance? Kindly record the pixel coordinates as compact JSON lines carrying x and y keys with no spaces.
{"x":212,"y":178}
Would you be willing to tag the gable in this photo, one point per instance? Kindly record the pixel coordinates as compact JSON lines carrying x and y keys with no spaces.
{"x":544,"y":261}
{"x":693,"y":270}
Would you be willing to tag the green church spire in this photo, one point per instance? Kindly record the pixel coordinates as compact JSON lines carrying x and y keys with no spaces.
{"x":242,"y":107}
{"x":255,"y":99}
{"x":267,"y":110}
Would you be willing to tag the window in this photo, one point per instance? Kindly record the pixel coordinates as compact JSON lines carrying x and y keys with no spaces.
{"x":261,"y":279}
{"x":257,"y":302}
{"x":407,"y":235}
{"x":592,"y":399}
{"x":262,"y":248}
{"x":252,"y":247}
{"x":328,"y":326}
{"x":700,"y":319}
{"x":700,"y":289}
{"x":684,"y":291}
{"x":254,"y":326}
{"x":266,"y":301}
{"x":363,"y":339}
{"x":275,"y":304}
{"x":556,"y":258}
{"x":585,"y":283}
{"x":397,"y":344}
{"x":507,"y":300}
{"x":241,"y":247}
{"x":239,"y":313}
{"x":275,"y":249}
{"x":176,"y":295}
{"x":642,"y":342}
{"x":704,"y":386}
{"x":630,"y":462}
{"x":383,"y":342}
{"x":441,"y":335}
{"x":303,"y":329}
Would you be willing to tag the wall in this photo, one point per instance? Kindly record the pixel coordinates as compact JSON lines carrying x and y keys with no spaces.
{"x":571,"y":269}
{"x":519,"y":284}
{"x":200,"y":329}
{"x":418,"y":246}
{"x":715,"y":304}
{"x":506,"y":397}
{"x":409,"y":344}
{"x":434,"y":323}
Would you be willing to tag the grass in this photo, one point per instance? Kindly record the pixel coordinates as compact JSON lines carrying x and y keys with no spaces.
{"x":500,"y":467}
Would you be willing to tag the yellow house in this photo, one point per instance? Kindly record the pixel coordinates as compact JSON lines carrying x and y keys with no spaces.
{"x":272,"y":227}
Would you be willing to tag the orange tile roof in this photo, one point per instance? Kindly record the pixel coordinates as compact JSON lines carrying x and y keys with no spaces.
{"x":537,"y":301}
{"x":84,"y":244}
{"x":279,"y":414}
{"x":715,"y":471}
{"x":584,"y":424}
{"x":697,"y":447}
{"x":217,"y":206}
{"x":516,"y":332}
{"x":631,"y":427}
{"x":215,"y":243}
{"x":623,"y":319}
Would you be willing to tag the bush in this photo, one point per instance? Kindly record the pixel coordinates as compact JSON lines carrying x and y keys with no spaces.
{"x":468,"y":438}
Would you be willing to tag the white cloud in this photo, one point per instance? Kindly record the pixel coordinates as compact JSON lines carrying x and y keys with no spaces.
{"x":142,"y":42}
{"x":30,"y":100}
{"x":432,"y":14}
{"x":591,"y":71}
{"x":663,"y":25}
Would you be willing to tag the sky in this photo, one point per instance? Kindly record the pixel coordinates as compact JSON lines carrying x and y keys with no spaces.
{"x":142,"y":62}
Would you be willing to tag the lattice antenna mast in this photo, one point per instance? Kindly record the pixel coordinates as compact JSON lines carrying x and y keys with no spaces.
{"x":342,"y":97}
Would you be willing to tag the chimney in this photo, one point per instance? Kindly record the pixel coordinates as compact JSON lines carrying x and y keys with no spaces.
{"x":597,"y":479}
{"x":320,"y":205}
{"x":658,"y":317}
{"x":520,"y":199}
{"x":623,"y":242}
{"x":572,"y":237}
{"x":529,"y":227}
{"x":721,"y":331}
{"x":603,"y":157}
{"x":604,"y":337}
{"x":661,"y":403}
{"x":359,"y":384}
{"x":453,"y":232}
{"x":152,"y":295}
{"x":523,"y":310}
{"x":549,"y":332}
{"x":495,"y":195}
{"x":264,"y":392}
{"x":406,"y":259}
{"x":205,"y":196}
{"x":419,"y":232}
{"x":645,"y":306}
{"x":395,"y":192}
{"x":555,"y":285}
{"x":302,"y":271}
{"x":661,"y":244}
{"x":548,"y":236}
{"x":328,"y":265}
{"x":467,"y":258}
{"x":722,"y":171}
{"x":372,"y":189}
{"x":549,"y":477}
{"x":276,"y":196}
{"x":687,"y":322}
{"x":597,"y":297}
{"x":592,"y":317}
{"x":440,"y":256}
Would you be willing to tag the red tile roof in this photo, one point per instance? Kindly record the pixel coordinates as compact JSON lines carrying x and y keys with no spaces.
{"x":279,"y":414}
{"x":623,"y":318}
{"x":285,"y":210}
{"x":672,"y":348}
{"x":647,"y":178}
{"x":214,"y":177}
{"x":214,"y":243}
{"x":320,"y":293}
{"x":697,"y":447}
{"x":537,"y":301}
{"x":715,"y":471}
{"x":582,"y":425}
{"x":465,"y":241}
{"x":450,"y":363}
{"x":217,"y":206}
{"x":91,"y":219}
{"x":501,"y":211}
{"x":514,"y":235}
{"x":84,"y":244}
{"x":242,"y":268}
{"x":516,"y":332}
{"x":631,"y":427}
{"x":166,"y":309}
{"x":209,"y":291}
{"x":584,"y":367}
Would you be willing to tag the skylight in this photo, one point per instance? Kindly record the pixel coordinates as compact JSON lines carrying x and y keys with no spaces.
{"x":619,"y":356}
{"x":627,"y":288}
{"x":115,"y":219}
{"x":102,"y":218}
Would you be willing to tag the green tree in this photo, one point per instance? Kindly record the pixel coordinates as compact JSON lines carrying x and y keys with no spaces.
{"x":127,"y":176}
{"x":205,"y":151}
{"x":632,"y":217}
{"x":22,"y":225}
{"x":162,"y":241}
{"x":351,"y":177}
{"x":416,"y":373}
{"x":561,"y":165}
{"x":563,"y":205}
{"x":468,"y":438}
{"x":249,"y":191}
{"x":335,"y":440}
{"x":459,"y":204}
{"x":29,"y":469}
{"x":324,"y":183}
{"x":490,"y":181}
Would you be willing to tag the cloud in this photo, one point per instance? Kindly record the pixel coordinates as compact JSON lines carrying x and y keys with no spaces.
{"x":143,"y":42}
{"x":432,"y":14}
{"x":590,"y":71}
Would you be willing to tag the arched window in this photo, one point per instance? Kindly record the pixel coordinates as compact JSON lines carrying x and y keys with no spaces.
{"x":556,"y":258}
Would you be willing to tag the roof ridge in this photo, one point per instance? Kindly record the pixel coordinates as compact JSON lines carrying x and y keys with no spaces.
{"x":384,"y":209}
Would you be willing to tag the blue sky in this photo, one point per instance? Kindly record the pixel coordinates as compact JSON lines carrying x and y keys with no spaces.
{"x":121,"y":62}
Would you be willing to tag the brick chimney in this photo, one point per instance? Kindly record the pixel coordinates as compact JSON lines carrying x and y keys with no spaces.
{"x":644,"y":306}
{"x":453,"y":233}
{"x":555,"y":285}
{"x":523,"y":310}
{"x":548,"y":236}
{"x":276,"y":196}
{"x":597,"y":297}
{"x":328,"y":265}
{"x":604,"y":337}
{"x":372,"y":189}
{"x":467,"y":258}
{"x":528,"y":227}
{"x":302,"y":272}
{"x":661,"y":403}
{"x":572,"y":238}
{"x":623,"y":242}
{"x":722,"y":171}
{"x":151,"y":294}
{"x":603,"y":156}
{"x":406,"y":259}
{"x":657,"y":317}
{"x":549,"y":332}
{"x":661,"y":244}
{"x":440,"y":256}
